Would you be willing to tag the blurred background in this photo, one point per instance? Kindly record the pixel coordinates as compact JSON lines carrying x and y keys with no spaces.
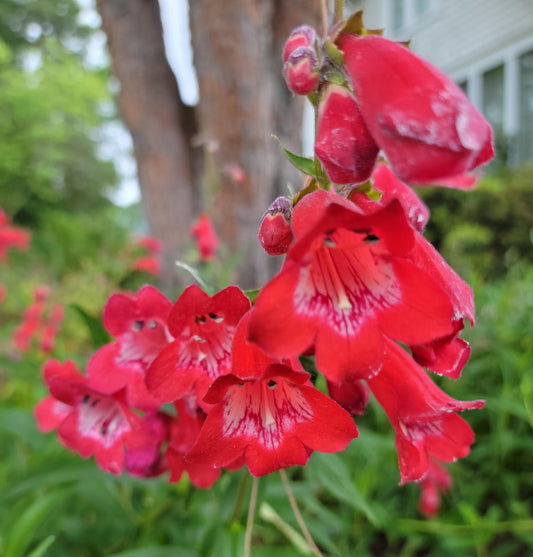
{"x":120,"y":119}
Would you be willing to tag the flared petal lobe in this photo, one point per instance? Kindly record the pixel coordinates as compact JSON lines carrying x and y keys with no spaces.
{"x":423,"y":416}
{"x":203,"y":328}
{"x":274,"y":422}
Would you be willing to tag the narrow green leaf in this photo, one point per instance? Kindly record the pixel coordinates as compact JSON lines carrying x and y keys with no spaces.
{"x":335,"y":478}
{"x":268,"y":514}
{"x":304,"y":164}
{"x":42,"y":548}
{"x":19,"y":537}
{"x":99,"y":335}
{"x":157,"y":551}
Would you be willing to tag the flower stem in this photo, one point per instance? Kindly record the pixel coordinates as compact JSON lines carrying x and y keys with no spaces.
{"x":298,"y":514}
{"x":324,"y":5}
{"x":250,"y":520}
{"x":339,"y":11}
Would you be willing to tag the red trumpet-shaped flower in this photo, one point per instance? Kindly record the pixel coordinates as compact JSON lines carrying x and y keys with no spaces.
{"x":426,"y":126}
{"x":268,"y":414}
{"x":436,"y":481}
{"x":343,"y":144}
{"x":388,"y":185}
{"x":206,"y":239}
{"x":184,"y":430}
{"x":349,"y":281}
{"x":203,"y":328}
{"x":139,"y":323}
{"x":90,"y":422}
{"x":424,"y":417}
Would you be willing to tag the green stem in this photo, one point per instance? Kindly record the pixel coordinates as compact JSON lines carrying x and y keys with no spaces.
{"x":250,"y":520}
{"x":339,"y":11}
{"x":298,"y":514}
{"x":324,"y":6}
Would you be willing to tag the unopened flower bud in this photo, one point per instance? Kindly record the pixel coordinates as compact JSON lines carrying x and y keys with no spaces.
{"x":301,"y":71}
{"x":275,"y":234}
{"x":343,"y":144}
{"x":301,"y":36}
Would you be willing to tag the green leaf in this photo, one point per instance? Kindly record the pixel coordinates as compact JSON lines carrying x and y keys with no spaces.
{"x":267,"y":513}
{"x":252,"y":294}
{"x":335,"y":477}
{"x":304,"y":164}
{"x":42,"y":548}
{"x":99,"y":335}
{"x":157,"y":551}
{"x":22,"y":532}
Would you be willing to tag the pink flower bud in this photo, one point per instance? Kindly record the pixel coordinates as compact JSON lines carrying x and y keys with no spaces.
{"x":275,"y":234}
{"x":343,"y":144}
{"x":301,"y":36}
{"x":301,"y":71}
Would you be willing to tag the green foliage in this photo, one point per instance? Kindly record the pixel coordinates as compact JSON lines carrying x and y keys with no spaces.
{"x":50,"y":498}
{"x":488,"y":230}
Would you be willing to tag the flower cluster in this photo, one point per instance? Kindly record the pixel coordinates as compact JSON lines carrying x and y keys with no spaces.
{"x":41,"y":322}
{"x":360,"y":290}
{"x":203,"y":232}
{"x":149,"y":262}
{"x":10,"y":237}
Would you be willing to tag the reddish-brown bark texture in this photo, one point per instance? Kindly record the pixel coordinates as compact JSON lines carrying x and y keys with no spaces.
{"x":243,"y":101}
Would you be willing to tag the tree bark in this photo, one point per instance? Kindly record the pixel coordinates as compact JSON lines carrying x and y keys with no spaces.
{"x":237,"y":55}
{"x":243,"y":101}
{"x":160,"y":124}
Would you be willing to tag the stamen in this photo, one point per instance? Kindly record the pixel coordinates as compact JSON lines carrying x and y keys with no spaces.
{"x":138,"y":325}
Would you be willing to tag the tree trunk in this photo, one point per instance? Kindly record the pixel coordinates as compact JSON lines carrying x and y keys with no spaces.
{"x":160,"y":124}
{"x":237,"y":55}
{"x":243,"y":101}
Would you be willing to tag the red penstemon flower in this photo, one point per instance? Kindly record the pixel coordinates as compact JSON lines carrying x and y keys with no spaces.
{"x":424,"y":417}
{"x":267,"y":413}
{"x":343,"y":144}
{"x":139,"y":322}
{"x":436,"y":481}
{"x":88,"y":421}
{"x":184,"y":430}
{"x":206,"y":239}
{"x":203,"y":329}
{"x":349,"y":280}
{"x":428,"y":129}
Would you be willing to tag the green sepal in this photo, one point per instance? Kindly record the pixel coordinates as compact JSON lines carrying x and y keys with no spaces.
{"x":333,"y":52}
{"x":304,"y":164}
{"x":353,"y":25}
{"x":252,"y":294}
{"x":367,"y":188}
{"x":311,"y":187}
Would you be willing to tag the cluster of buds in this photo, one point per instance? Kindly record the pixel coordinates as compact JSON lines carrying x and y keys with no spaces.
{"x":150,"y":262}
{"x":41,"y":322}
{"x":360,"y":290}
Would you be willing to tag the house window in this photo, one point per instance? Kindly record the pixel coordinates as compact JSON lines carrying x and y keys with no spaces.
{"x":492,"y":99}
{"x":525,"y":133}
{"x":464,"y":86}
